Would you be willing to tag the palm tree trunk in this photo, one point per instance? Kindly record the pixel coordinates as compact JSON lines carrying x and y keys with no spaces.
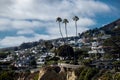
{"x":61,"y":32}
{"x":76,"y":32}
{"x":76,"y":27}
{"x":75,"y":38}
{"x":66,"y":31}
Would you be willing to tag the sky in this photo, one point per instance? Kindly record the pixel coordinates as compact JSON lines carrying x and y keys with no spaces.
{"x":31,"y":20}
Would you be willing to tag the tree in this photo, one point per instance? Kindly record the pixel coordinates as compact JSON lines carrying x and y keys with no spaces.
{"x":59,"y":20}
{"x":65,"y":51}
{"x":48,"y":45}
{"x":66,"y":21}
{"x":33,"y":63}
{"x":75,"y":18}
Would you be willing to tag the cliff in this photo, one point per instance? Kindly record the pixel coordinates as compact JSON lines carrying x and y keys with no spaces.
{"x":56,"y":73}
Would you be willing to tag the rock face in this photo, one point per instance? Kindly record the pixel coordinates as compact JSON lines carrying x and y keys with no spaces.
{"x":71,"y":75}
{"x":56,"y":73}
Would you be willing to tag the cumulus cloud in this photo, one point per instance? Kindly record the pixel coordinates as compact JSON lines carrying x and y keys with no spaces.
{"x":25,"y":32}
{"x":10,"y":41}
{"x":4,"y":24}
{"x":47,"y":9}
{"x":16,"y":24}
{"x":27,"y":16}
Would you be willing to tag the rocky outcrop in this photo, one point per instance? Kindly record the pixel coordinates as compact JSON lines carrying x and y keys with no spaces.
{"x":56,"y":73}
{"x":71,"y":75}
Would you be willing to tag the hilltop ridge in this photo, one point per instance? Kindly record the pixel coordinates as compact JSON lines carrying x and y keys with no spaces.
{"x":113,"y":29}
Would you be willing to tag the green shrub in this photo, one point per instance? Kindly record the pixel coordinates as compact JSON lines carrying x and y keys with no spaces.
{"x":82,"y":74}
{"x":78,"y":71}
{"x":6,"y":75}
{"x":90,"y":73}
{"x":36,"y":76}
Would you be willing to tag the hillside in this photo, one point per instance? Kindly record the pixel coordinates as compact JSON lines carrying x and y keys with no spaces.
{"x":112,"y":29}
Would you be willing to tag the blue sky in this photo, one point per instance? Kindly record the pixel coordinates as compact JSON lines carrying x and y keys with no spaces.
{"x":31,"y":20}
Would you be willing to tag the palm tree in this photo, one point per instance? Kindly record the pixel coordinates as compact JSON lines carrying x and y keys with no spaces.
{"x":59,"y":20}
{"x":66,"y":21}
{"x":75,"y":18}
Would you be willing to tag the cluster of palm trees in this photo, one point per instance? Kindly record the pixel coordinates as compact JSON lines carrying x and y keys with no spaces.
{"x":65,"y":21}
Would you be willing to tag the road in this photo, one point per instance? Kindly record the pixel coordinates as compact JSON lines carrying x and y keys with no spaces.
{"x":69,"y":65}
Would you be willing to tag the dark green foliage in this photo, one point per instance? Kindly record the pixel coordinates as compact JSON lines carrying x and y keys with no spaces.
{"x":3,"y":55}
{"x":36,"y":76}
{"x":82,"y":74}
{"x":65,"y":51}
{"x":113,"y":41}
{"x":5,"y":63}
{"x":55,"y":58}
{"x":7,"y":75}
{"x":116,"y":31}
{"x":79,"y":53}
{"x":113,"y":46}
{"x":33,"y":63}
{"x":105,"y":75}
{"x":48,"y":58}
{"x":90,"y":73}
{"x":56,"y":69}
{"x":86,"y":62}
{"x":108,"y":56}
{"x":85,"y":73}
{"x":51,"y":60}
{"x":116,"y":65}
{"x":78,"y":71}
{"x":28,"y":45}
{"x":48,"y":45}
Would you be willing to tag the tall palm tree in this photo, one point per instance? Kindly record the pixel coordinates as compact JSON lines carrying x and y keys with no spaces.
{"x":65,"y":21}
{"x":59,"y":20}
{"x":75,"y":18}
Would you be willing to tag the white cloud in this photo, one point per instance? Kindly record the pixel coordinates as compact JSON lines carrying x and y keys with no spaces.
{"x":22,"y":24}
{"x":4,"y":24}
{"x":10,"y":41}
{"x":47,"y":10}
{"x":7,"y":24}
{"x":91,"y":7}
{"x":44,"y":12}
{"x":25,"y":32}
